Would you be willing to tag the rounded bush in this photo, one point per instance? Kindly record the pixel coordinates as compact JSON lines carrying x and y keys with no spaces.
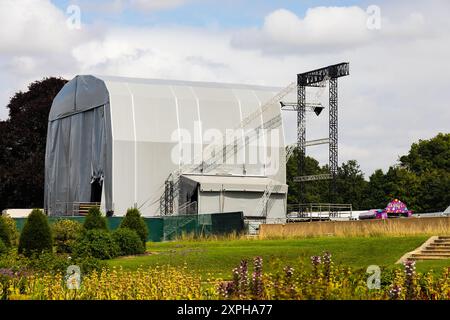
{"x":134,"y":221}
{"x":90,"y":264}
{"x":48,"y":262}
{"x":128,"y":242}
{"x":96,"y":244}
{"x":5,"y":233}
{"x":95,"y":220}
{"x":3,"y":247}
{"x":13,"y":232}
{"x":65,"y":234}
{"x":36,"y":236}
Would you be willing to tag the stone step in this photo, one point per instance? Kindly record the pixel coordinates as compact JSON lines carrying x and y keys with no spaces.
{"x":437,"y":255}
{"x":444,"y":237}
{"x":435,"y":251}
{"x":445,"y":241}
{"x":423,"y":257}
{"x":440,"y":244}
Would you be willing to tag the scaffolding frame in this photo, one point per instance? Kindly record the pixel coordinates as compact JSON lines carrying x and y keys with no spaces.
{"x":317,"y":78}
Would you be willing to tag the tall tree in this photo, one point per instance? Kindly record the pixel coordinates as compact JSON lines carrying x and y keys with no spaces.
{"x":421,"y":179}
{"x":351,"y":186}
{"x":316,"y":191}
{"x":428,"y":154}
{"x":22,"y":145}
{"x":376,"y":194}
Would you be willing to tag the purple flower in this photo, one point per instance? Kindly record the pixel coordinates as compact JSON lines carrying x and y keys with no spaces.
{"x":410,"y":274}
{"x":316,"y":260}
{"x":257,"y":282}
{"x":394,"y":292}
{"x":6,"y":272}
{"x":288,"y":271}
{"x":226,"y":289}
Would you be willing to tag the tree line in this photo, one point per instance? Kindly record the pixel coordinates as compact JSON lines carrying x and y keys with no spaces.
{"x":421,"y":178}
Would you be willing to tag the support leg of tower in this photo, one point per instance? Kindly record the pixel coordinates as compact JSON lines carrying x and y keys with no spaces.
{"x":301,"y":141}
{"x":333,"y":132}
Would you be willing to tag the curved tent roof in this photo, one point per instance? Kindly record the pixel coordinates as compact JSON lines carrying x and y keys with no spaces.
{"x":138,"y":131}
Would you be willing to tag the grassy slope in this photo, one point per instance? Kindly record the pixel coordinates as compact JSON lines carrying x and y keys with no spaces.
{"x":220,"y":257}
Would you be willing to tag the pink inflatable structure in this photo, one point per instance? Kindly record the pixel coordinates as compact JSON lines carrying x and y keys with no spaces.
{"x":394,"y":209}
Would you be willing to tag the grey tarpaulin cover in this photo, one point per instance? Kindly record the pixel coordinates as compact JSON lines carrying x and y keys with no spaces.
{"x":78,"y":145}
{"x":125,"y":135}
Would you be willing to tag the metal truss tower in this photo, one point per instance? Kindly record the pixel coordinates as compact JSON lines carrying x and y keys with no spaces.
{"x":333,"y":133}
{"x":316,"y":78}
{"x":301,"y":136}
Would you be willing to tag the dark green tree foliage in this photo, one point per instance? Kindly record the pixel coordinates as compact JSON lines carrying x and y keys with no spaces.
{"x":128,"y":241}
{"x":316,"y":191}
{"x":36,"y":236}
{"x":22,"y":145}
{"x":376,"y":193}
{"x":134,"y":221}
{"x":95,"y":220}
{"x":351,"y":185}
{"x":421,"y":179}
{"x":427,"y":155}
{"x":5,"y":234}
{"x":96,"y":243}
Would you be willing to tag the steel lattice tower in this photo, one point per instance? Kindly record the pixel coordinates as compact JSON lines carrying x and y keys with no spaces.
{"x":301,"y":137}
{"x":312,"y":79}
{"x":333,"y":133}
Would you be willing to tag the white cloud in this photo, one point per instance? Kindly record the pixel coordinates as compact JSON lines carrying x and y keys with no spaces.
{"x":397,"y":90}
{"x":323,"y":29}
{"x":152,"y":5}
{"x":118,"y":6}
{"x":31,"y":27}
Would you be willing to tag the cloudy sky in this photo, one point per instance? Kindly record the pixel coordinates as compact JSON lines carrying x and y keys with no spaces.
{"x":398,"y":90}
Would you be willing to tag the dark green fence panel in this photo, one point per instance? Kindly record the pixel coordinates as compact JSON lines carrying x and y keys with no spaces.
{"x":155,"y":228}
{"x":171,"y":227}
{"x":227,"y":222}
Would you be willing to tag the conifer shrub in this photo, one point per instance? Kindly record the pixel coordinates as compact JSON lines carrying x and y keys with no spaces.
{"x":3,"y":248}
{"x":134,"y":221}
{"x":96,"y":243}
{"x":5,"y":233}
{"x":36,"y":236}
{"x":128,"y":242}
{"x":95,"y":220}
{"x":12,"y":227}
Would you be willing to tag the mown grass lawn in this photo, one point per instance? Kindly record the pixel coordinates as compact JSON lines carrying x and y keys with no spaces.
{"x":216,"y":258}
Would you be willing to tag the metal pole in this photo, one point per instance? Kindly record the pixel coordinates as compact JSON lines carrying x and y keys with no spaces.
{"x":301,"y":140}
{"x":333,"y":132}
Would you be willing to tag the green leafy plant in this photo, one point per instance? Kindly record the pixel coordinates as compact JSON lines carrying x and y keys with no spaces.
{"x":47,"y":262}
{"x":95,"y":220}
{"x":96,"y":244}
{"x":90,"y":264}
{"x":3,"y":248}
{"x":134,"y":221}
{"x":13,"y":232}
{"x":128,"y":242}
{"x":36,"y":235}
{"x":65,"y":234}
{"x":5,"y":233}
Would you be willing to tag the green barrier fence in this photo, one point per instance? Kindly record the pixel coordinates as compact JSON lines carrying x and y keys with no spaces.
{"x":170,"y":227}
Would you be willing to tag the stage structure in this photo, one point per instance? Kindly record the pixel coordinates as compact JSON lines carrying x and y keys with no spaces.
{"x":319,"y":78}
